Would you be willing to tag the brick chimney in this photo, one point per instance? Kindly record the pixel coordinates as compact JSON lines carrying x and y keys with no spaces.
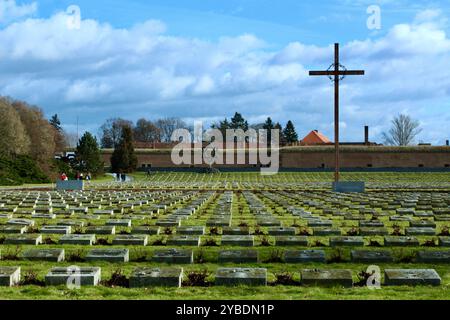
{"x":366,"y":135}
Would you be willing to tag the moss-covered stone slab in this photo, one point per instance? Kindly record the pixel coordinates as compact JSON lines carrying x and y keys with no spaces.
{"x":110,"y":255}
{"x":422,"y":231}
{"x":53,"y":255}
{"x":327,"y":278}
{"x":101,"y":230}
{"x":22,"y":239}
{"x":9,"y":276}
{"x":78,"y":239}
{"x":304,"y":256}
{"x":156,"y":277}
{"x":238,"y":256}
{"x":346,"y":241}
{"x":284,"y":241}
{"x":326,"y":232}
{"x":11,"y":229}
{"x":241,"y":241}
{"x":411,"y":277}
{"x":130,"y":240}
{"x":236,"y":231}
{"x":241,"y":276}
{"x":371,"y":256}
{"x":21,"y":222}
{"x":401,"y":241}
{"x":183,"y":240}
{"x":146,"y":230}
{"x":73,"y":276}
{"x":444,"y":241}
{"x":174,"y":256}
{"x":56,"y":229}
{"x":281,"y":231}
{"x":422,"y":224}
{"x":191,"y":230}
{"x":428,"y":256}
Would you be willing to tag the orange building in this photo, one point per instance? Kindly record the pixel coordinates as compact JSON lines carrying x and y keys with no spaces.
{"x":315,"y":138}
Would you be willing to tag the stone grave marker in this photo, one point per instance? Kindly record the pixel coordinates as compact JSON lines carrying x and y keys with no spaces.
{"x":53,"y":255}
{"x":242,"y":241}
{"x":301,"y":241}
{"x":281,"y":231}
{"x":241,"y":276}
{"x":444,"y":241}
{"x":145,"y":230}
{"x":347,"y":241}
{"x":111,"y":255}
{"x":236,"y":231}
{"x":326,"y":231}
{"x":369,"y":256}
{"x":13,"y":229}
{"x":327,"y":278}
{"x":24,"y":239}
{"x":84,"y":276}
{"x":78,"y":239}
{"x":304,"y":256}
{"x":401,"y":241}
{"x":411,"y":277}
{"x":174,"y":256}
{"x":56,"y":229}
{"x":191,"y":230}
{"x":183,"y":240}
{"x":101,"y":230}
{"x":9,"y":276}
{"x":238,"y":256}
{"x":119,"y":222}
{"x":156,"y":277}
{"x":429,"y":256}
{"x":422,"y":231}
{"x":130,"y":240}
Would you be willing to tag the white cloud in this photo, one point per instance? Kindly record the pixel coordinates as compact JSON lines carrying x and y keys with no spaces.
{"x":101,"y":71}
{"x":10,"y":11}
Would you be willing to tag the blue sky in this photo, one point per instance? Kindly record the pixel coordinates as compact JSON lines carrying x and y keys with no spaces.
{"x":205,"y":59}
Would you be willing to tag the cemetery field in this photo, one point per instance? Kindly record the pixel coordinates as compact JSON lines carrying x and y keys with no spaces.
{"x":229,"y":236}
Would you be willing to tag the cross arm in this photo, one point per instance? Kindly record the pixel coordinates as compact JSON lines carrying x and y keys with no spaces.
{"x":341,"y":73}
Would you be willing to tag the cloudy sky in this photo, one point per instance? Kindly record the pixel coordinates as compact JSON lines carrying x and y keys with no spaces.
{"x":206,"y":59}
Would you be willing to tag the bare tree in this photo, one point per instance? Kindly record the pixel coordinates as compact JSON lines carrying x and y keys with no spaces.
{"x":167,"y":126}
{"x":146,"y":131}
{"x":403,"y":131}
{"x":111,"y":131}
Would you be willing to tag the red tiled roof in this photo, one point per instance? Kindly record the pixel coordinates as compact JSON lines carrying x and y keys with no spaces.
{"x":315,"y":138}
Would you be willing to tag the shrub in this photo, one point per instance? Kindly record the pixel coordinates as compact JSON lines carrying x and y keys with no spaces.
{"x":30,"y":278}
{"x":284,"y":279}
{"x":12,"y":254}
{"x":210,"y":243}
{"x":336,"y":256}
{"x":197,"y":279}
{"x":76,"y":256}
{"x":275,"y":256}
{"x":118,"y":279}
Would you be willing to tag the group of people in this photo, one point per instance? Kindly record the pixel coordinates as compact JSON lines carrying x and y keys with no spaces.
{"x":121,"y":177}
{"x":79,"y":176}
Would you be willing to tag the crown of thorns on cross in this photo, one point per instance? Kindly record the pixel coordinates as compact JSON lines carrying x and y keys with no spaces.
{"x":332,"y":68}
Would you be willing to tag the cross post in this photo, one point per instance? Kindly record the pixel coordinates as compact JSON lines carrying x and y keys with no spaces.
{"x":337,"y":73}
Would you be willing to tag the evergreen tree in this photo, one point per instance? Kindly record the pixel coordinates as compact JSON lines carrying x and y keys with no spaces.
{"x":55,"y":122}
{"x":268,"y":125}
{"x":123,"y":159}
{"x":88,"y":155}
{"x":238,"y":122}
{"x":289,"y":133}
{"x":280,"y":131}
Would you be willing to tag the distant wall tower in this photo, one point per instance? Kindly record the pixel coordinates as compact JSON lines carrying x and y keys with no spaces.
{"x":366,"y":135}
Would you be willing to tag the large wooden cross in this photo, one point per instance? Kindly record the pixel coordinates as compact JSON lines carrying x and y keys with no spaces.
{"x":336,"y":73}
